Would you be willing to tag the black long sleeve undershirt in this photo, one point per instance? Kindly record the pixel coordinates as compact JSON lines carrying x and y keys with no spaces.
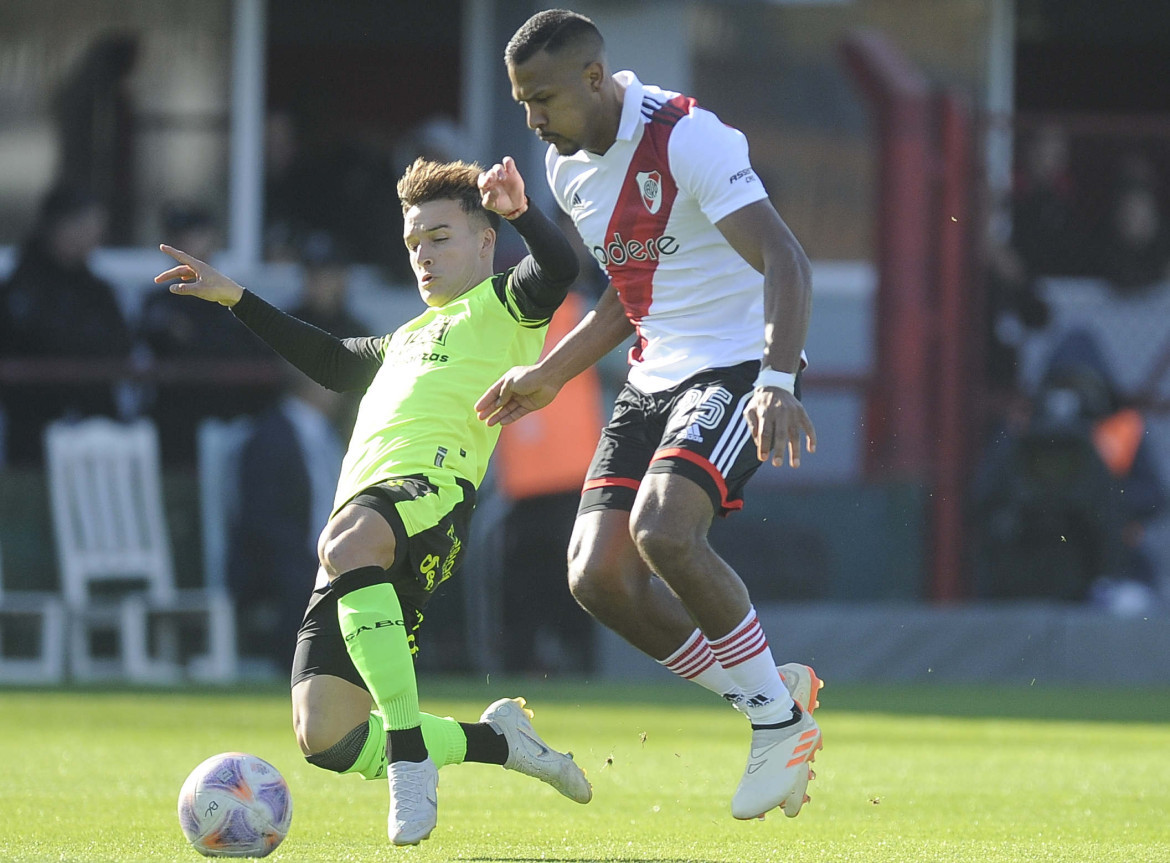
{"x":539,"y":284}
{"x":542,"y":279}
{"x":344,"y":365}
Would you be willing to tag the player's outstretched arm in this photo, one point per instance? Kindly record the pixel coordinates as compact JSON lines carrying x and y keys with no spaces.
{"x":347,"y":366}
{"x":525,"y":389}
{"x":776,"y":417}
{"x":199,"y":279}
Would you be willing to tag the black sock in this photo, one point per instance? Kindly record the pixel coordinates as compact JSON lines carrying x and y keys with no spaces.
{"x":407,"y":745}
{"x":796,"y":714}
{"x":485,"y":745}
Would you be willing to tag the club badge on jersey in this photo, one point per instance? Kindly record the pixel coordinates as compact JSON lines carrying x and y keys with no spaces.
{"x":650,"y":185}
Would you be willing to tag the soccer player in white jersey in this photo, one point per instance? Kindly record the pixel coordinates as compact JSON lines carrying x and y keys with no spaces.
{"x":706,"y":275}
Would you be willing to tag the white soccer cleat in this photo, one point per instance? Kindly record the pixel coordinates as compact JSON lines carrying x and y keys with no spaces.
{"x":530,"y":755}
{"x":777,"y":771}
{"x":803,"y":685}
{"x":414,"y":801}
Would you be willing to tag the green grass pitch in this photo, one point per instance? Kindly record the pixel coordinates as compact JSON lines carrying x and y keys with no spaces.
{"x":908,"y":773}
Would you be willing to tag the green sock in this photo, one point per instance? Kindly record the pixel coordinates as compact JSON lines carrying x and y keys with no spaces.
{"x":445,"y":739}
{"x":375,"y":636}
{"x":371,"y":761}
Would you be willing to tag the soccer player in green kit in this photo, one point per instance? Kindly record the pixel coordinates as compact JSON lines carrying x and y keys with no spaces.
{"x":407,"y":487}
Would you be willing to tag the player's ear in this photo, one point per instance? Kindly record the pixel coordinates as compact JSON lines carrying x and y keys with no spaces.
{"x":487,"y":243}
{"x":595,"y":75}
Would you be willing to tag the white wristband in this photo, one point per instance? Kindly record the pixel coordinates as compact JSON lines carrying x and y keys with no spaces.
{"x":772,"y":378}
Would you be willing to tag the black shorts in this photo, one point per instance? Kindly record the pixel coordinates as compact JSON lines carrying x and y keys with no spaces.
{"x":430,"y":557}
{"x":696,"y":429}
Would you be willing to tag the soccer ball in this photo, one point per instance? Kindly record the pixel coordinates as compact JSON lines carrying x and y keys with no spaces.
{"x":235,"y":805}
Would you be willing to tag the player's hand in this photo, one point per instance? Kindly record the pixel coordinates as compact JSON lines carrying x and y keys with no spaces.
{"x":501,"y":188}
{"x":199,"y":279}
{"x":520,"y":391}
{"x":777,"y":418}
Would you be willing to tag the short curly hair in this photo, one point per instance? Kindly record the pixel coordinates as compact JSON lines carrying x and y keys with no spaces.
{"x":552,"y":31}
{"x":426,"y":181}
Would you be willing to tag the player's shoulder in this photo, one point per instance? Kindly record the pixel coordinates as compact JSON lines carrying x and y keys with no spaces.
{"x":702,"y":136}
{"x":689,"y":119}
{"x":665,"y":107}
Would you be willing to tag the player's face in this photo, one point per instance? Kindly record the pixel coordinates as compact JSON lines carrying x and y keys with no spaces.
{"x":561,"y":98}
{"x":450,"y":252}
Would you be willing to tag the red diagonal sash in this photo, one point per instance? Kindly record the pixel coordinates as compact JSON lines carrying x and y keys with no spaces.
{"x":636,"y":229}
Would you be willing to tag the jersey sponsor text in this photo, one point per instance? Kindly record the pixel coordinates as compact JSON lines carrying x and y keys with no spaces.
{"x":619,"y":250}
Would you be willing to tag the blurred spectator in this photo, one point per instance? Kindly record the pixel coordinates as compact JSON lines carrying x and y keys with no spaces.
{"x":541,"y":462}
{"x":324,"y":303}
{"x":1136,"y":247}
{"x":1121,"y":440}
{"x":440,"y":139}
{"x":95,"y":123}
{"x":288,"y":471}
{"x":287,"y":205}
{"x":55,"y":307}
{"x":339,"y":186}
{"x":1014,"y":307}
{"x":324,"y":299}
{"x":1061,"y":505}
{"x":1046,"y":525}
{"x":175,"y":328}
{"x":1046,"y":232}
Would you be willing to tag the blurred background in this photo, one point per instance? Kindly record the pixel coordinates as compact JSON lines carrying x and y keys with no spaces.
{"x":982,"y":186}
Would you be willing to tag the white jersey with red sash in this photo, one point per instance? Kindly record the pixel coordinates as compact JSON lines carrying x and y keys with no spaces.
{"x":647,"y":210}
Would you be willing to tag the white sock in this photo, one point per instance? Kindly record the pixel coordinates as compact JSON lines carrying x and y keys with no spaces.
{"x":747,"y":660}
{"x":695,"y":662}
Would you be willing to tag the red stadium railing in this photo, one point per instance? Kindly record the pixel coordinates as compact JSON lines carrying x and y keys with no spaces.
{"x":918,"y":417}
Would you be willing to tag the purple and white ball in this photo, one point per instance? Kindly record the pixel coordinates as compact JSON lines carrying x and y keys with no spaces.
{"x":235,"y":805}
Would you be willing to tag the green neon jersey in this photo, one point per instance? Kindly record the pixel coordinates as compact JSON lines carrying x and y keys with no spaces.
{"x":418,"y":415}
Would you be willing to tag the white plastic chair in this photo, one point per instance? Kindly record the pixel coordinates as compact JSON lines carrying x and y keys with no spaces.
{"x":114,"y":552}
{"x":47,"y":664}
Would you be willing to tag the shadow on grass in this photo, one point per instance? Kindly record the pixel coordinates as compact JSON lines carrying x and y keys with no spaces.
{"x":1009,"y":701}
{"x":609,"y":858}
{"x":1012,"y":701}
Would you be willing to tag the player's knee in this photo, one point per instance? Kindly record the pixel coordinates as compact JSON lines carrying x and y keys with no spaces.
{"x":341,"y":756}
{"x":661,"y":542}
{"x":352,"y":541}
{"x":595,"y":585}
{"x":334,"y":555}
{"x":317,"y":734}
{"x":343,"y":552}
{"x":312,"y":734}
{"x":582,"y":583}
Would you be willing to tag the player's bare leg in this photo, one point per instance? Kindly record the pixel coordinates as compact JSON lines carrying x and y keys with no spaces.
{"x":356,"y":549}
{"x":337,"y":731}
{"x":612,"y":582}
{"x":669,"y":524}
{"x":325,"y":710}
